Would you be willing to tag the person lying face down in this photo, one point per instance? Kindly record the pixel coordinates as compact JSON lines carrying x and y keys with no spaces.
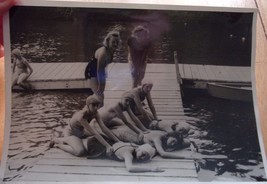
{"x":163,"y":142}
{"x":129,"y":152}
{"x":169,"y":126}
{"x":137,"y":96}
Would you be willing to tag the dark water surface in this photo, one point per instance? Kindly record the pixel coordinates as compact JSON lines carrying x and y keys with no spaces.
{"x":227,"y":128}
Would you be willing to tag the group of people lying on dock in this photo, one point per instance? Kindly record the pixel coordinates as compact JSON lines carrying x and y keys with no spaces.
{"x":126,"y":131}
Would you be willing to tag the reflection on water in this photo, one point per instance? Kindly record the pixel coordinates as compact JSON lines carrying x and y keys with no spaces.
{"x":34,"y":116}
{"x":224,"y":128}
{"x":199,"y":38}
{"x":227,"y":128}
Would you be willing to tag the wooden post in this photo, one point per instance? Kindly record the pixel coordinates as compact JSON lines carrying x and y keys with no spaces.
{"x":179,"y":78}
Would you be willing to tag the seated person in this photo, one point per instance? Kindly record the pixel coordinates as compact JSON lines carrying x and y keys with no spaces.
{"x":21,"y":70}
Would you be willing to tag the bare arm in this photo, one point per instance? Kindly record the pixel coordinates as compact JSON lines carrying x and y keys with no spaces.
{"x":28,"y":66}
{"x":105,"y":129}
{"x":139,"y":106}
{"x":88,"y":128}
{"x":14,"y":66}
{"x":129,"y":122}
{"x":164,"y":154}
{"x":151,"y":106}
{"x":137,"y":122}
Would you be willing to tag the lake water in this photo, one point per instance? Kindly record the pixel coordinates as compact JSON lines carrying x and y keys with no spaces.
{"x":49,"y":35}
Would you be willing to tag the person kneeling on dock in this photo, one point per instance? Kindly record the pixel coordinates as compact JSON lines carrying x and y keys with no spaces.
{"x":138,"y":96}
{"x":21,"y":70}
{"x":79,"y":128}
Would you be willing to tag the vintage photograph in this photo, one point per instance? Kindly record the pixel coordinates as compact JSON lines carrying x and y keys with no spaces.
{"x":117,"y":94}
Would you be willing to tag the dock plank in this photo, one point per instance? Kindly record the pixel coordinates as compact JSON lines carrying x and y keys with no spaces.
{"x":50,"y":73}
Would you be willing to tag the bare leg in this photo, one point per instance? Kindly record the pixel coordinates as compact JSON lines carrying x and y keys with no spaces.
{"x":22,"y":81}
{"x":70,"y":144}
{"x":94,"y":87}
{"x":142,"y":71}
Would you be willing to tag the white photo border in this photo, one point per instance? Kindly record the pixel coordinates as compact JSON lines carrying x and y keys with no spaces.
{"x":89,"y":4}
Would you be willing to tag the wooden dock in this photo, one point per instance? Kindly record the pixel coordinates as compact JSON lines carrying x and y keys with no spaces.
{"x":48,"y":76}
{"x":57,"y":165}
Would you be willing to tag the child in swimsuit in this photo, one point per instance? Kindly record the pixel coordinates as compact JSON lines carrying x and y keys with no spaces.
{"x":21,"y":70}
{"x":79,"y":128}
{"x":137,"y":96}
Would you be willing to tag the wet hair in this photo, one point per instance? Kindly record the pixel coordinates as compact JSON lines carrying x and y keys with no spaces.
{"x":178,"y":136}
{"x":16,"y":52}
{"x":110,"y":34}
{"x":93,"y":99}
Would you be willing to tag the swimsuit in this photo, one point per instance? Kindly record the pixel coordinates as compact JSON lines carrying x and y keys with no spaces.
{"x":91,"y":69}
{"x":118,"y":146}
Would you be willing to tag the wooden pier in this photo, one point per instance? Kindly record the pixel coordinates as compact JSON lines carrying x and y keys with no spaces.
{"x":50,"y":76}
{"x":57,"y":165}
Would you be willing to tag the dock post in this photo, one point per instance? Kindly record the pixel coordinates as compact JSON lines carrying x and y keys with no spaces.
{"x":178,"y":75}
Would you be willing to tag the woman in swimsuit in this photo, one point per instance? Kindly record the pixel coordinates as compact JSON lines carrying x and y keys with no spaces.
{"x":137,"y":96}
{"x":96,"y":68}
{"x":129,"y":152}
{"x":21,"y":70}
{"x":139,"y":44}
{"x":182,"y":127}
{"x":163,"y":142}
{"x":79,"y":128}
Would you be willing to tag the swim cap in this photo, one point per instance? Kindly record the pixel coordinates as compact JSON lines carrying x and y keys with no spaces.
{"x":93,"y":99}
{"x":149,"y":149}
{"x":16,"y":52}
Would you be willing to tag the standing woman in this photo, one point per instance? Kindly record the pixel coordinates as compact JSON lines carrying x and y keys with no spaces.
{"x":96,"y":68}
{"x":138,"y":46}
